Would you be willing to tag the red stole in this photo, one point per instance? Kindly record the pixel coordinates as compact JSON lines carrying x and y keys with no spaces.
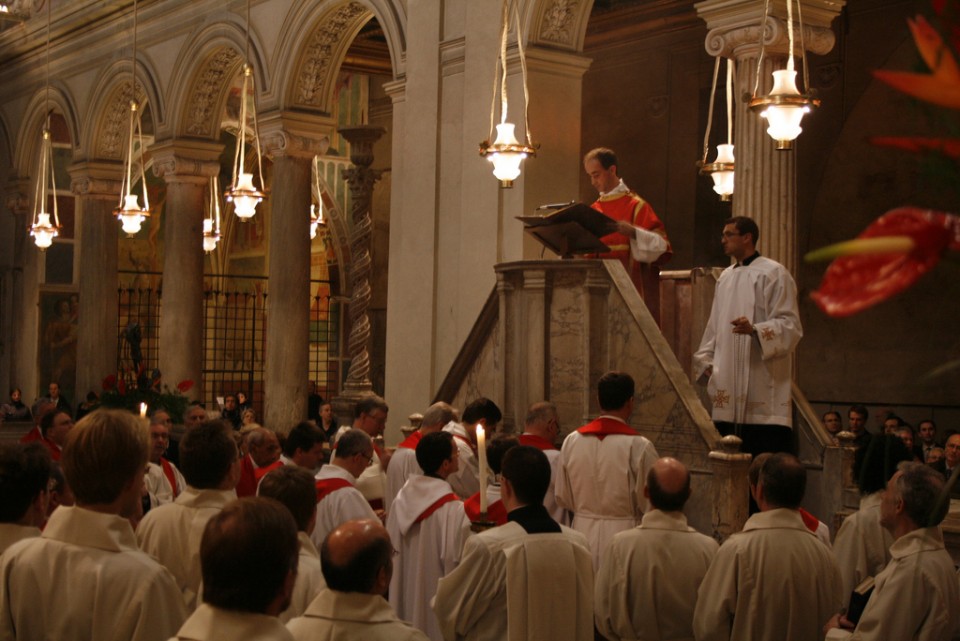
{"x":436,"y":505}
{"x":168,"y":472}
{"x":410,"y":443}
{"x":496,"y":512}
{"x":247,"y":485}
{"x":326,"y":487}
{"x":809,"y":520}
{"x":603,"y":427}
{"x":260,"y":472}
{"x":537,"y":441}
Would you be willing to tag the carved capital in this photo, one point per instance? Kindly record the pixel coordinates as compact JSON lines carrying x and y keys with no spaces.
{"x":186,"y":161}
{"x":99,"y":180}
{"x":17,"y":200}
{"x":744,"y":41}
{"x":280,"y":142}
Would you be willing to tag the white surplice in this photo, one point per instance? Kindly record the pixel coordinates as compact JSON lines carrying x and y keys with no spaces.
{"x":403,"y":465}
{"x":772,"y":580}
{"x":472,"y":602}
{"x":352,"y":616}
{"x":601,"y":481}
{"x":429,"y":549}
{"x":862,"y":546}
{"x":647,"y":584}
{"x":466,"y":480}
{"x":310,"y":581}
{"x":171,"y":534}
{"x":751,"y":373}
{"x":340,"y":506}
{"x":85,"y":579}
{"x":10,"y":533}
{"x":216,"y":624}
{"x":158,"y":485}
{"x":372,"y":481}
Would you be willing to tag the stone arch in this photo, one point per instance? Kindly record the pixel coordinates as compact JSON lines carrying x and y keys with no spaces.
{"x":309,"y":59}
{"x":106,"y":124}
{"x":318,"y":52}
{"x":205,"y":69}
{"x":35,"y":113}
{"x":557,"y":24}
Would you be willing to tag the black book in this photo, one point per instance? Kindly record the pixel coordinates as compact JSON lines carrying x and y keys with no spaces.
{"x":858,"y":599}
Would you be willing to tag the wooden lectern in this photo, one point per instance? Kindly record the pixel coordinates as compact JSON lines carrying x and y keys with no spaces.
{"x":574,"y":229}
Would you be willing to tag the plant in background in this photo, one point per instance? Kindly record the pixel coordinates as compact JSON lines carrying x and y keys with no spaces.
{"x":128,"y":389}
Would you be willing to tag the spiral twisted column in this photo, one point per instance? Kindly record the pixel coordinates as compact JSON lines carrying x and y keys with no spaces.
{"x":360,"y":180}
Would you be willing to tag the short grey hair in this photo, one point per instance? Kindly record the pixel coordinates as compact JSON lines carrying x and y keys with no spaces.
{"x":439,"y":414}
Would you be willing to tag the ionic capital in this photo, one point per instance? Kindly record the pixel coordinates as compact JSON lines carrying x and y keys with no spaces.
{"x":186,"y":160}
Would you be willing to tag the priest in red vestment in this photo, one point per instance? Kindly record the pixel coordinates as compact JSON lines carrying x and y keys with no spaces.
{"x":640,"y":241}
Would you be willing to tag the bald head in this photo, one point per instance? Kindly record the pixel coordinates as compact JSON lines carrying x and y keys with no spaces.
{"x":357,"y":557}
{"x":668,"y":485}
{"x":542,"y":420}
{"x":264,"y":446}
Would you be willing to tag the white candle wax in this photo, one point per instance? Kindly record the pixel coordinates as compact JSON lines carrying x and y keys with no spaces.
{"x":143,"y":410}
{"x":482,"y":452}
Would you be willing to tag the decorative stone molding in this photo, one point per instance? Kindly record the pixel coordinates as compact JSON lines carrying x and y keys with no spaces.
{"x":558,"y":23}
{"x":320,"y":57}
{"x":208,"y":86}
{"x":113,"y":125}
{"x":99,"y":180}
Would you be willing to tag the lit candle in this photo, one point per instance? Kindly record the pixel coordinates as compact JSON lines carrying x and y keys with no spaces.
{"x":143,"y":410}
{"x":482,"y":451}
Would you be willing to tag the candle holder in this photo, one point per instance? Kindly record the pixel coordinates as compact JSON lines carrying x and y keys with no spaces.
{"x":482,"y":524}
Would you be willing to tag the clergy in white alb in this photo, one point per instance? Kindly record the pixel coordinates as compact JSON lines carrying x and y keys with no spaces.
{"x":774,"y":581}
{"x":24,"y":475}
{"x":604,"y":466}
{"x":357,"y":559}
{"x":84,"y":578}
{"x":171,"y":533}
{"x":428,"y":526}
{"x":916,"y":596}
{"x":403,"y":463}
{"x":163,"y":480}
{"x":249,"y":558}
{"x":370,"y":416}
{"x":294,"y":487}
{"x":744,"y":354}
{"x":528,"y":579}
{"x":648,"y":581}
{"x":862,"y":546}
{"x":482,"y":412}
{"x":338,"y":499}
{"x":540,"y":430}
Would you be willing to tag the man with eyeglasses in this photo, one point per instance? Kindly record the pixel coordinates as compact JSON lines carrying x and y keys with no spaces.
{"x":338,"y":499}
{"x":163,"y":480}
{"x":744,"y":356}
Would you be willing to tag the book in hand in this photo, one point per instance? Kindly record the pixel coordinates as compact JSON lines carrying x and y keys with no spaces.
{"x":858,"y":599}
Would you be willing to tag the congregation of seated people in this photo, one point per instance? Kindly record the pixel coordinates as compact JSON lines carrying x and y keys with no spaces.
{"x":236,"y":530}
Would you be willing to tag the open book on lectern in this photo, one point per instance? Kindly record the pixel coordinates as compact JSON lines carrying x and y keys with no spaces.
{"x":571,"y":228}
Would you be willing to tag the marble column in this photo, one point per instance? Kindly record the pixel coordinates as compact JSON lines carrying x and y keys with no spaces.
{"x":360,"y":179}
{"x":186,"y":167}
{"x":23,"y":354}
{"x":292,"y":146}
{"x":765,"y":177}
{"x":731,"y":487}
{"x":97,"y":185}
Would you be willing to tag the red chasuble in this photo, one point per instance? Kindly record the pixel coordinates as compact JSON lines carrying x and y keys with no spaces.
{"x":603,"y":427}
{"x":537,"y":441}
{"x":410,"y":443}
{"x":496,"y":512}
{"x":633,"y":209}
{"x":326,"y":487}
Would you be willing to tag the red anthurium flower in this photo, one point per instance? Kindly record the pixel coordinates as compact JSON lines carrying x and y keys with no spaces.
{"x":853,"y":283}
{"x":949,"y":147}
{"x":939,"y":87}
{"x":184,"y":386}
{"x":109,"y":382}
